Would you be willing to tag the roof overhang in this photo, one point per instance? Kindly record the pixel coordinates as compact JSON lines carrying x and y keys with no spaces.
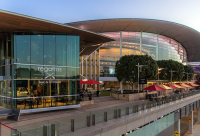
{"x":12,"y":22}
{"x":188,"y":37}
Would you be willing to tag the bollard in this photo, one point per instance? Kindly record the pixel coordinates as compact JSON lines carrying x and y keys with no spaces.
{"x":115,"y":113}
{"x":105,"y":116}
{"x":119,"y":113}
{"x":127,"y":110}
{"x":72,"y":125}
{"x":53,"y":130}
{"x":136,"y":108}
{"x":0,"y":128}
{"x":44,"y":130}
{"x":93,"y":119}
{"x":88,"y":121}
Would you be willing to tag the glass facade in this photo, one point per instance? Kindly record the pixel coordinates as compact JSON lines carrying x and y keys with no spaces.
{"x":39,"y":71}
{"x":138,"y":43}
{"x":155,"y":127}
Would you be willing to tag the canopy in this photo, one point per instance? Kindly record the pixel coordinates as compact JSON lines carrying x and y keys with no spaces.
{"x":191,"y":84}
{"x":181,"y":85}
{"x":154,"y":88}
{"x":178,"y":86}
{"x":171,"y":86}
{"x":90,"y":81}
{"x":196,"y":84}
{"x":82,"y":82}
{"x":186,"y":85}
{"x":165,"y":87}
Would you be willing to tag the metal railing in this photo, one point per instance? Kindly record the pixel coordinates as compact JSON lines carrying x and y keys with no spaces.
{"x":65,"y":125}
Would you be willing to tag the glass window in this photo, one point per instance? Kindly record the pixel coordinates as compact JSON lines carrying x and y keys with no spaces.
{"x":61,"y":49}
{"x":23,"y":71}
{"x":37,"y":49}
{"x":71,"y":51}
{"x":49,"y":49}
{"x":71,"y":73}
{"x":151,"y":51}
{"x":22,"y":43}
{"x":49,"y":71}
{"x":37,"y":72}
{"x":61,"y":72}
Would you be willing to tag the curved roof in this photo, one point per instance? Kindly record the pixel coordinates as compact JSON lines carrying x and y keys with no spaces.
{"x":188,"y":37}
{"x":14,"y":22}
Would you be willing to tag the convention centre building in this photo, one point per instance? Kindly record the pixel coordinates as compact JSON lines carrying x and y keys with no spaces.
{"x":41,"y":62}
{"x":162,"y":40}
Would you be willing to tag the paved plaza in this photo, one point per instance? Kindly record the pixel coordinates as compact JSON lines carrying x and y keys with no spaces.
{"x":196,"y":131}
{"x":99,"y":103}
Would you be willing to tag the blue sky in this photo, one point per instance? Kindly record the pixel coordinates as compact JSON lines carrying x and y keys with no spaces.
{"x":185,"y":12}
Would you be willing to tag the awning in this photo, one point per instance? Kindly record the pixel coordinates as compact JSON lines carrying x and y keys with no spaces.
{"x":178,"y":86}
{"x":187,"y":86}
{"x":171,"y":86}
{"x":165,"y":87}
{"x":191,"y":85}
{"x":154,"y":88}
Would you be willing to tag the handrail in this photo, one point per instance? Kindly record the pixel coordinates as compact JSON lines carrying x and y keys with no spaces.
{"x":40,"y":96}
{"x":7,"y":126}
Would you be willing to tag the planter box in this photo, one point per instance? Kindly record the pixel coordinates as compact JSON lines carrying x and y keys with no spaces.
{"x":86,"y":102}
{"x":128,"y":97}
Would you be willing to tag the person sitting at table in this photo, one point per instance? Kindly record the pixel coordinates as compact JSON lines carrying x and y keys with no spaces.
{"x":35,"y":91}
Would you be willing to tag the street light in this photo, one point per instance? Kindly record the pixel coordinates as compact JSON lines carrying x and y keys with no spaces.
{"x":187,"y":75}
{"x":139,"y":66}
{"x":159,"y":72}
{"x":171,"y":75}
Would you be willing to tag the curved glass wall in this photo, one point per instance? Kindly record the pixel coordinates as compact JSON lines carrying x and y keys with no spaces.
{"x":138,"y":43}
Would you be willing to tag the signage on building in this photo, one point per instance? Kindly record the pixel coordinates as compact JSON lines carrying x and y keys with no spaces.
{"x":47,"y":69}
{"x":142,"y":81}
{"x":50,"y":71}
{"x":43,"y":82}
{"x":197,"y":69}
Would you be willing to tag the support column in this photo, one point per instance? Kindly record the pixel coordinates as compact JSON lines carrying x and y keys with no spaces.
{"x":140,"y":43}
{"x":191,"y":123}
{"x":86,"y":69}
{"x":82,"y":69}
{"x":157,"y":47}
{"x":90,"y":64}
{"x":121,"y":56}
{"x":198,"y":115}
{"x":177,"y":126}
{"x":98,"y":68}
{"x":94,"y":67}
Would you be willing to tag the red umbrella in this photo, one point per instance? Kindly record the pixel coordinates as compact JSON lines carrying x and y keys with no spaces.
{"x":154,"y":88}
{"x":173,"y":87}
{"x":181,"y":85}
{"x":82,"y":82}
{"x":90,"y":81}
{"x":196,"y":84}
{"x":190,"y":84}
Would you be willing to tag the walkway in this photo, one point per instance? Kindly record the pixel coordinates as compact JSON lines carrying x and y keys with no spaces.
{"x":196,"y":131}
{"x":100,"y":103}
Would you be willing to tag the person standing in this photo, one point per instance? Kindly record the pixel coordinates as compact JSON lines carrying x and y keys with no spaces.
{"x":39,"y":91}
{"x":98,"y":93}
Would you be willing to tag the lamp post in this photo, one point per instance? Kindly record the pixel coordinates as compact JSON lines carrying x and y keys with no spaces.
{"x":187,"y":75}
{"x":171,"y":75}
{"x":139,"y":77}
